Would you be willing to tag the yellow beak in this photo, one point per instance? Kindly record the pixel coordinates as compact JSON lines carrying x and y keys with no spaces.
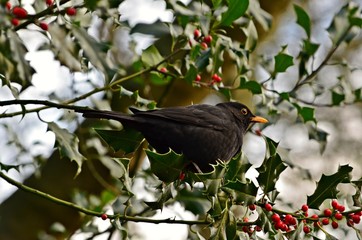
{"x":259,"y":119}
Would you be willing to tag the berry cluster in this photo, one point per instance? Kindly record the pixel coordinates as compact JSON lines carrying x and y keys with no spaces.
{"x":18,"y":13}
{"x":287,"y":222}
{"x":331,"y":215}
{"x":204,"y":41}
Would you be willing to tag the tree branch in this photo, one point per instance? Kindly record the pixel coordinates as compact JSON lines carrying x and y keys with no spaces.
{"x":98,"y":214}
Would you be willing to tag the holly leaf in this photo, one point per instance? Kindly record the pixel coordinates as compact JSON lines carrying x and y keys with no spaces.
{"x":320,"y":136}
{"x":337,"y":98}
{"x":306,"y":113}
{"x":303,"y":19}
{"x":191,"y":74}
{"x":252,"y":86}
{"x":236,"y":168}
{"x":271,"y":146}
{"x":94,"y":51}
{"x":241,"y":192}
{"x":138,"y":100}
{"x":126,"y":140}
{"x":67,"y":144}
{"x":327,"y":186}
{"x":7,"y":167}
{"x":269,"y":172}
{"x":168,"y":166}
{"x":193,"y":201}
{"x":236,"y":9}
{"x":151,"y":56}
{"x":282,"y":62}
{"x":157,"y":29}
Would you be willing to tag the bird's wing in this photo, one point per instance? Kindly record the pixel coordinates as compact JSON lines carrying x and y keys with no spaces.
{"x":201,"y":115}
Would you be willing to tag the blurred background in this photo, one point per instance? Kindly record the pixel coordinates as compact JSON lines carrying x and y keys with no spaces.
{"x":310,"y":148}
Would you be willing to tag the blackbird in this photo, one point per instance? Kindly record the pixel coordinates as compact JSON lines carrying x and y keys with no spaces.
{"x":202,"y":133}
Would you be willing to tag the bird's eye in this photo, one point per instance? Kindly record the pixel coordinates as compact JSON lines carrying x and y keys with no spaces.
{"x":244,"y":111}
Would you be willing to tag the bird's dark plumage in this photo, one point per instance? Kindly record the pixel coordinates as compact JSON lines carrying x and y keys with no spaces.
{"x":203,"y":133}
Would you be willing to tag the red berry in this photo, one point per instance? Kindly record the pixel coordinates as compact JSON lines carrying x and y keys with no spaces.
{"x":358,"y":213}
{"x":258,"y":132}
{"x":275,"y":217}
{"x":335,"y":204}
{"x":288,"y":219}
{"x":197,"y":34}
{"x":325,"y":221}
{"x":252,"y":207}
{"x":338,"y":216}
{"x":350,"y":223}
{"x":20,"y":12}
{"x":341,"y":208}
{"x":305,"y":207}
{"x":258,"y":228}
{"x":104,"y":216}
{"x":268,"y":207}
{"x":198,"y":78}
{"x":204,"y":45}
{"x":279,"y":225}
{"x":8,"y":6}
{"x":356,"y":219}
{"x":306,"y":229}
{"x":44,"y":26}
{"x":163,"y":70}
{"x":306,"y":214}
{"x":49,"y":2}
{"x":208,"y":39}
{"x":216,"y":78}
{"x":182,"y":176}
{"x":314,"y":216}
{"x":334,"y":224}
{"x":71,"y":11}
{"x":328,"y":212}
{"x":15,"y":22}
{"x":245,"y":229}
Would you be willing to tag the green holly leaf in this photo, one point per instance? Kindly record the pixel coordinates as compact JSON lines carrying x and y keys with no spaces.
{"x":7,"y":167}
{"x":157,"y":29}
{"x":193,"y":201}
{"x":306,"y":113}
{"x":236,"y":168}
{"x":67,"y":144}
{"x":357,"y":94}
{"x":320,"y":136}
{"x":284,"y":96}
{"x":126,"y":139}
{"x":271,"y":146}
{"x":203,"y":60}
{"x":327,"y":186}
{"x":252,"y":86}
{"x":236,"y":9}
{"x":95,"y":51}
{"x":241,"y":192}
{"x":310,"y":48}
{"x":269,"y":172}
{"x":168,"y":166}
{"x":191,"y":74}
{"x":337,"y":98}
{"x":282,"y":62}
{"x":303,"y":19}
{"x":138,"y":100}
{"x":151,"y":56}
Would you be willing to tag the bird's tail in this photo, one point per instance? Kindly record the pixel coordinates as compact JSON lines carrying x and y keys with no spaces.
{"x":102,"y":114}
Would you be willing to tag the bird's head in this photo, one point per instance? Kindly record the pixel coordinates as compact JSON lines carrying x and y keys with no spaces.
{"x":243,"y":114}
